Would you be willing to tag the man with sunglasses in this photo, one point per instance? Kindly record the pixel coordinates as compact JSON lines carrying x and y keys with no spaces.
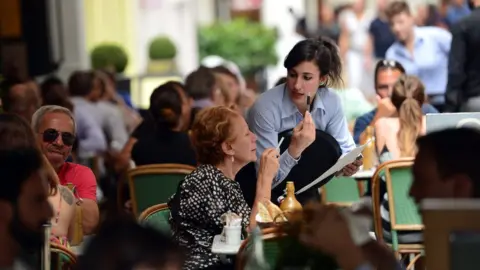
{"x":55,"y":129}
{"x":386,"y":74}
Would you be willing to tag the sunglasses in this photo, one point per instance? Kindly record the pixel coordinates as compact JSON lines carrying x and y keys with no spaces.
{"x":50,"y":135}
{"x":385,"y":63}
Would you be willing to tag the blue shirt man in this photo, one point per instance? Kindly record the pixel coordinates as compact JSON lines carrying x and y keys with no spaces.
{"x":422,"y":51}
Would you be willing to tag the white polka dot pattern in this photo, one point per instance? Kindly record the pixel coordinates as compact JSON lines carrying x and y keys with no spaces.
{"x":204,"y":196}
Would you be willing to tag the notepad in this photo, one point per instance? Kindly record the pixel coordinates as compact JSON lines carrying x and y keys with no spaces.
{"x":339,"y":165}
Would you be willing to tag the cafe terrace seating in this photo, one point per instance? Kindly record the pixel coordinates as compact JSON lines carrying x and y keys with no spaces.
{"x":341,"y":191}
{"x":404,"y":215}
{"x":153,"y":184}
{"x":157,"y":216}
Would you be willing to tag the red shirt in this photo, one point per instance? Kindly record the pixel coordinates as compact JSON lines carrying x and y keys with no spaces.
{"x":81,"y":177}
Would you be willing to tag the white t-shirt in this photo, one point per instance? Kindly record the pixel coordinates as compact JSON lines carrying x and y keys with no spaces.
{"x":357,"y":28}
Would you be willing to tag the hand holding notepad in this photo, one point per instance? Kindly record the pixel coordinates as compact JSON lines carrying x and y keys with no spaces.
{"x":342,"y":162}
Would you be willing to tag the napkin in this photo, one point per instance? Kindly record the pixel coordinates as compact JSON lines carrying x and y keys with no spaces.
{"x":230,"y":219}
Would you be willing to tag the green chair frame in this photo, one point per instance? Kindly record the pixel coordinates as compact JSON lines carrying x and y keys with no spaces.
{"x":339,"y":191}
{"x":404,"y":215}
{"x":150,"y":212}
{"x":155,"y":169}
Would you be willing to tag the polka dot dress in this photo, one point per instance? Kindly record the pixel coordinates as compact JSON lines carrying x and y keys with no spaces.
{"x":202,"y":198}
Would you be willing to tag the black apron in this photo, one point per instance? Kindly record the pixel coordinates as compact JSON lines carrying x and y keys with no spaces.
{"x":322,"y":154}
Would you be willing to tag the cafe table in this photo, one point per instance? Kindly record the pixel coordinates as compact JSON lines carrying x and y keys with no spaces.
{"x":364,"y":175}
{"x":220,"y":247}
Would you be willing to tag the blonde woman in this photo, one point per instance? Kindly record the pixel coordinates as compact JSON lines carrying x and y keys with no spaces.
{"x":396,"y":136}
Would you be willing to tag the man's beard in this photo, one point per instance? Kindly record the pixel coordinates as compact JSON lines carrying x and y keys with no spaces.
{"x":27,"y":239}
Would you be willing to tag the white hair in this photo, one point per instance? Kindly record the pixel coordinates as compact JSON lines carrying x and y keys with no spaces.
{"x":40,"y":113}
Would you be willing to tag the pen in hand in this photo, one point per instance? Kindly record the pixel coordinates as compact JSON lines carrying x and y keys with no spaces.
{"x":280,"y":144}
{"x":308,"y":103}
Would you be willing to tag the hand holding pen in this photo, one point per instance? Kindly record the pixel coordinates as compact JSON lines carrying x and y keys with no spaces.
{"x":303,"y":134}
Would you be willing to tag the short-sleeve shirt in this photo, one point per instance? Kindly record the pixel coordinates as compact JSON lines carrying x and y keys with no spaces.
{"x":81,"y":177}
{"x":196,"y":209}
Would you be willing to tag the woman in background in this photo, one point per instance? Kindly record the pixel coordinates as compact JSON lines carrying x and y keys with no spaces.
{"x":354,"y":25}
{"x":167,"y":140}
{"x":396,"y":136}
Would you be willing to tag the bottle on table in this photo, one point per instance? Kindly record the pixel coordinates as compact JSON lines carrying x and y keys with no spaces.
{"x":369,"y":153}
{"x":290,"y":203}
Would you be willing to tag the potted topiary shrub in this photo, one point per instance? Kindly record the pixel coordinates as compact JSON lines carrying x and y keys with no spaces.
{"x":109,"y":56}
{"x":162,"y":53}
{"x":250,"y":45}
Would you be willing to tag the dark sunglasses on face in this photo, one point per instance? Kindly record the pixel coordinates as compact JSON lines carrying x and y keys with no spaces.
{"x":50,"y":135}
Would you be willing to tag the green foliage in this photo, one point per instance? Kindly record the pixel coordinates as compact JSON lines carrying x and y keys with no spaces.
{"x":109,"y":56}
{"x":250,"y":45}
{"x":162,"y":48}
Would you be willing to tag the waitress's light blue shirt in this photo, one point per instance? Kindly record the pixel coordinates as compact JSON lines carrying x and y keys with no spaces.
{"x":274,"y":112}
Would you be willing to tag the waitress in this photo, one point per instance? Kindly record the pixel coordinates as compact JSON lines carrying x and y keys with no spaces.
{"x":311,"y":65}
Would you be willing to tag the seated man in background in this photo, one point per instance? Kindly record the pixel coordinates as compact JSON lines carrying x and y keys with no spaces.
{"x":202,"y":86}
{"x":24,"y":206}
{"x":386,"y":74}
{"x":19,"y":98}
{"x":55,"y":129}
{"x":84,"y":90}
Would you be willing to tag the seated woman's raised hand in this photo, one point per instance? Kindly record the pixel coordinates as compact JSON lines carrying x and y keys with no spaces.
{"x":268,"y":166}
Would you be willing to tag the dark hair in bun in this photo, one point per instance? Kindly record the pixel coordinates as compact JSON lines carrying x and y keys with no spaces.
{"x":166,"y":106}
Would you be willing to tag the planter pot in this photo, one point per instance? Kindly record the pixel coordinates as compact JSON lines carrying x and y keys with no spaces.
{"x":161,"y":66}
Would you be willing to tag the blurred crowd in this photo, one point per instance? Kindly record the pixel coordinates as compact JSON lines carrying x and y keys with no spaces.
{"x":67,"y":145}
